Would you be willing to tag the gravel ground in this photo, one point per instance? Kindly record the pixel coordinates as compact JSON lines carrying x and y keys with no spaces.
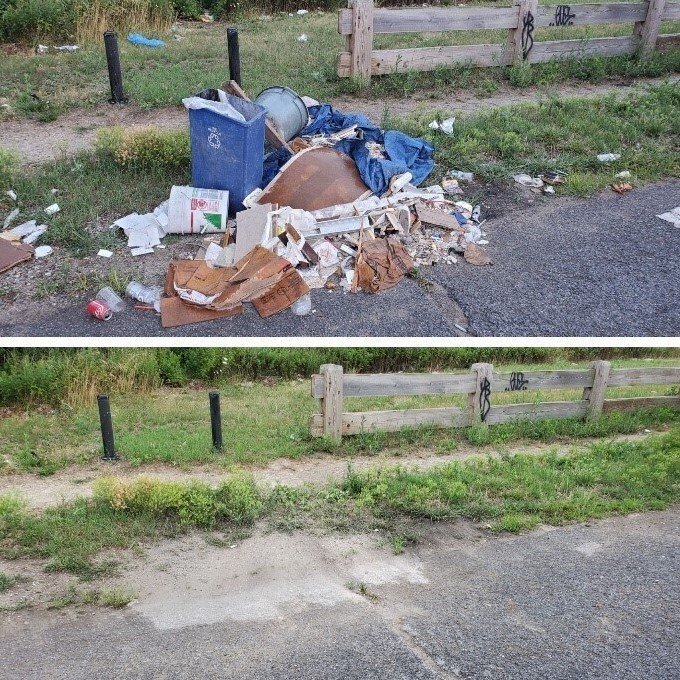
{"x":605,"y":266}
{"x":595,"y":601}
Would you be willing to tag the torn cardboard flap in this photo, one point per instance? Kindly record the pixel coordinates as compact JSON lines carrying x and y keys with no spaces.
{"x":11,"y":254}
{"x":174,"y":313}
{"x":282,"y":295}
{"x":381,"y":264}
{"x":315,"y":178}
{"x":251,"y":228}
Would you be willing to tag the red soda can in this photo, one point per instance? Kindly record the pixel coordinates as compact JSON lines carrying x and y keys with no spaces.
{"x":99,"y":310}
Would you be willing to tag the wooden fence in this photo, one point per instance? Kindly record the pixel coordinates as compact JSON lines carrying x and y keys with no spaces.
{"x":331,"y":386}
{"x":361,"y":20}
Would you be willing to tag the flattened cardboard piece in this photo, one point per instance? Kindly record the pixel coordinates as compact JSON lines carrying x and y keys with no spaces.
{"x":436,"y":218}
{"x":476,"y":255}
{"x":12,"y":254}
{"x":244,"y":291}
{"x":208,"y":280}
{"x":315,"y":178}
{"x":174,"y":313}
{"x":381,"y":264}
{"x":259,"y":263}
{"x":282,"y":295}
{"x":179,"y":273}
{"x":250,"y":228}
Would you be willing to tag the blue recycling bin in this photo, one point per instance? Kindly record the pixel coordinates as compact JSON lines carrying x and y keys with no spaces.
{"x":227,"y":153}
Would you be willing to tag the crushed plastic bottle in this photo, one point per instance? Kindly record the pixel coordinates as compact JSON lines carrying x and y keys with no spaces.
{"x":302,"y":306}
{"x":150,"y":295}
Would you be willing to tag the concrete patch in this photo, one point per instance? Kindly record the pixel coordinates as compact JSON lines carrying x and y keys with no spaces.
{"x":267,"y":577}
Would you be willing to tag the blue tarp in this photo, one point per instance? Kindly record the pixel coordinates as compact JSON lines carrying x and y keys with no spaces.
{"x":404,"y":153}
{"x":139,"y":39}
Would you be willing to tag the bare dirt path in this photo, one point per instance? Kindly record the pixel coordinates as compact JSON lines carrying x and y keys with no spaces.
{"x":76,"y":130}
{"x":72,"y":483}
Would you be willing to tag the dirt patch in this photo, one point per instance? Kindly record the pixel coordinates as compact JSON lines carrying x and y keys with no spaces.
{"x":67,"y":485}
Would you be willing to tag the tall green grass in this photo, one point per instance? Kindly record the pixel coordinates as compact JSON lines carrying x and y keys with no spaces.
{"x":76,"y":376}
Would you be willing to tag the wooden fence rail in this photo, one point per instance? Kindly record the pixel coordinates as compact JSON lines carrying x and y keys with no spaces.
{"x":360,"y":21}
{"x":331,"y":386}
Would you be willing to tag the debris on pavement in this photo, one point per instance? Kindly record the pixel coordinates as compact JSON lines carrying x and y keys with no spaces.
{"x":343,"y":205}
{"x":623,"y":174}
{"x":43,"y":251}
{"x":552,"y":177}
{"x":621,"y":187}
{"x":672,"y":216}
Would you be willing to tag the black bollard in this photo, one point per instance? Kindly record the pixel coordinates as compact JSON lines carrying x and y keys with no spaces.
{"x":216,"y":421}
{"x":234,"y":57}
{"x":106,"y":427}
{"x":113,"y":62}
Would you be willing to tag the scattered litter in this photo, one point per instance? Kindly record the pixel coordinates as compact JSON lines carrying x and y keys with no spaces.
{"x":302,"y":11}
{"x":460,"y":175}
{"x":475,"y":254}
{"x":12,"y":194}
{"x":446,"y":126}
{"x":142,"y":250}
{"x":302,"y":38}
{"x":67,"y":48}
{"x":302,"y":306}
{"x":10,"y":218}
{"x":99,"y":310}
{"x":451,"y":186}
{"x":672,"y":216}
{"x":608,"y":157}
{"x":43,"y":251}
{"x":621,"y":187}
{"x":139,"y":39}
{"x":623,"y":174}
{"x":552,"y":177}
{"x":150,"y":295}
{"x":105,"y":253}
{"x":111,"y":299}
{"x":52,"y":209}
{"x":548,"y":190}
{"x":12,"y":254}
{"x":54,"y":192}
{"x":42,"y":49}
{"x":207,"y":18}
{"x":528,"y":181}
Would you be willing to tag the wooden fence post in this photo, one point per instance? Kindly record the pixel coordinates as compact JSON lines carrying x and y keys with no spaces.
{"x":480,"y":399}
{"x":595,"y":394}
{"x":331,"y":403}
{"x":521,"y":38}
{"x":361,"y":40}
{"x":647,"y":31}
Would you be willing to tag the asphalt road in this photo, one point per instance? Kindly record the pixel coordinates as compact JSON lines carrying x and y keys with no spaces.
{"x":604,"y":266}
{"x":598,"y":602}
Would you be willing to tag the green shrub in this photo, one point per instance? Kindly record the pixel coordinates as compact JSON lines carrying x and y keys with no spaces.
{"x":236,"y":500}
{"x":145,"y":147}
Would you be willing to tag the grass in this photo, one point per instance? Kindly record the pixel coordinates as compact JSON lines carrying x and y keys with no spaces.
{"x":513,"y":494}
{"x":565,"y":135}
{"x":268,"y":420}
{"x":43,"y":86}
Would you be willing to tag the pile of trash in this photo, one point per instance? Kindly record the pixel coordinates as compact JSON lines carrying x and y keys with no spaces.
{"x":340,"y":205}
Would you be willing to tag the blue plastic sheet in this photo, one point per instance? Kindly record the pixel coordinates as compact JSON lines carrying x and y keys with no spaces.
{"x":139,"y":39}
{"x":404,"y":153}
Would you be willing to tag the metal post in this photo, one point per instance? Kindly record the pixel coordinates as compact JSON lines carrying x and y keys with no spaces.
{"x":216,"y":421}
{"x":106,"y":427}
{"x":113,"y":62}
{"x":234,"y":57}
